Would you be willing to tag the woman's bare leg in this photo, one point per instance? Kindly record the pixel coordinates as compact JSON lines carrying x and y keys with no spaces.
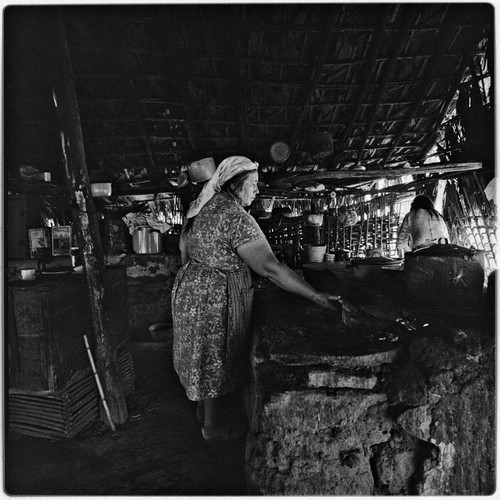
{"x":211,"y":406}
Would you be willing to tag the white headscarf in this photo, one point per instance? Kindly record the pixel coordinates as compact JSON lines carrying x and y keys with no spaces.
{"x":227,"y":169}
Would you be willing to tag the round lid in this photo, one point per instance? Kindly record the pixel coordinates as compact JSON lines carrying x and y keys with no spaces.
{"x":280,"y":151}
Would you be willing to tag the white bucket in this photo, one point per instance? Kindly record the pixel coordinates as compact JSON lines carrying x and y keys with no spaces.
{"x":315,"y":253}
{"x":329,"y":257}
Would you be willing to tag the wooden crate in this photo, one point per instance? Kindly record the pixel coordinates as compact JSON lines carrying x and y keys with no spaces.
{"x":55,"y":416}
{"x":66,"y":413}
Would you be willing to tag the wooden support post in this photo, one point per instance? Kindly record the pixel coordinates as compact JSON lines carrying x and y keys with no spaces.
{"x":84,"y":214}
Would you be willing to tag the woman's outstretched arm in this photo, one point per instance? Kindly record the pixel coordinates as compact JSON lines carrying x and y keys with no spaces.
{"x":259,"y":256}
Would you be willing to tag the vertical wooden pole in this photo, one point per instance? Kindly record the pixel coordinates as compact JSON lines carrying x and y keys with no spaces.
{"x":84,"y":215}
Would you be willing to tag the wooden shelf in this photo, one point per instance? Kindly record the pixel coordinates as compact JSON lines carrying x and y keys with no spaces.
{"x":438,"y":168}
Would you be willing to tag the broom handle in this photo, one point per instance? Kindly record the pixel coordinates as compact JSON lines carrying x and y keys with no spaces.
{"x":99,"y":386}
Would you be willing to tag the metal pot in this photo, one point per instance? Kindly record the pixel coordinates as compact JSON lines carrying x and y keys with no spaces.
{"x":201,"y":170}
{"x":280,"y":151}
{"x":372,"y":266}
{"x":147,"y":240}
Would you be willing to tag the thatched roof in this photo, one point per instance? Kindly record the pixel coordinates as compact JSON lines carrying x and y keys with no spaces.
{"x":160,"y":86}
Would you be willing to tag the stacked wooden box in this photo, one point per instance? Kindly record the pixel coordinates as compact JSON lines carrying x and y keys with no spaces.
{"x":52,"y":391}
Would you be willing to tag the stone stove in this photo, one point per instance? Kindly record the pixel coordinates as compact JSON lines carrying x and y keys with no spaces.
{"x":353,"y":408}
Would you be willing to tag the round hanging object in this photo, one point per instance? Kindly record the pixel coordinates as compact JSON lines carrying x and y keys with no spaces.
{"x":182,"y":180}
{"x":201,"y":170}
{"x":351,"y":218}
{"x":280,"y":151}
{"x":321,"y":145}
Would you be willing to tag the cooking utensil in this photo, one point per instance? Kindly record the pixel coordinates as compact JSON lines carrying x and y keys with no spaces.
{"x":280,"y":151}
{"x":351,"y":218}
{"x":313,"y":219}
{"x":100,"y":189}
{"x":201,"y":170}
{"x":147,"y":240}
{"x":364,"y":268}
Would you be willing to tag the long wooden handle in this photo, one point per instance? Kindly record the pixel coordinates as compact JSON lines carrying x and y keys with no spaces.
{"x":99,"y":386}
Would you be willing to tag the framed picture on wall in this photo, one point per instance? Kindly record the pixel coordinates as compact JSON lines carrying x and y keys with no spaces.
{"x":61,"y":240}
{"x":39,"y":242}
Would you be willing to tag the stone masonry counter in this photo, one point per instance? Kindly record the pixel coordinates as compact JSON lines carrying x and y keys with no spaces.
{"x":150,"y":278}
{"x":362,"y":410}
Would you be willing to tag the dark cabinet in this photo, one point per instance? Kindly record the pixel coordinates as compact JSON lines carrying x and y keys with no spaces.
{"x":23,"y":213}
{"x":47,"y":321}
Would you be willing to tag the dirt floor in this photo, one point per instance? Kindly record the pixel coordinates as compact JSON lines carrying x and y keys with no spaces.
{"x":159,"y":451}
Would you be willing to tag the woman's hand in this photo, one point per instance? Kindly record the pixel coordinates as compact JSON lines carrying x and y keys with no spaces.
{"x":325,"y":300}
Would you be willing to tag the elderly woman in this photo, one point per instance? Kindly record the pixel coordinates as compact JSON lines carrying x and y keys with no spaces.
{"x":212,"y":295}
{"x":423,"y":225}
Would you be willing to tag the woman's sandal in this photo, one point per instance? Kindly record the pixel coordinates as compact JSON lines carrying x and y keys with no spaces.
{"x":224,"y":432}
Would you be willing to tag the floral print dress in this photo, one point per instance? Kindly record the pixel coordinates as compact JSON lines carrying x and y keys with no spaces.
{"x":212,"y":301}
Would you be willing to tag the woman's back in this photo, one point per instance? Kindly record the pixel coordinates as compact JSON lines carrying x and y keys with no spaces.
{"x":221,"y":226}
{"x":426,"y":227}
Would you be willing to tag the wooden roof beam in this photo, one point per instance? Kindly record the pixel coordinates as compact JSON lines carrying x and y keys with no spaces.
{"x":309,"y":28}
{"x":86,"y":224}
{"x":315,"y":77}
{"x":388,"y":173}
{"x":130,"y":91}
{"x":254,"y":81}
{"x":128,"y":87}
{"x":446,"y":104}
{"x":214,"y":56}
{"x":441,"y":43}
{"x":402,"y":188}
{"x":408,"y":18}
{"x":365,"y":74}
{"x":174,"y":25}
{"x":237,"y":49}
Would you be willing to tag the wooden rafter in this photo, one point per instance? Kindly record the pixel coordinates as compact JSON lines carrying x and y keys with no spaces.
{"x":86,"y":226}
{"x":128,"y":86}
{"x":315,"y":77}
{"x":237,"y":49}
{"x":408,"y":19}
{"x":441,"y":43}
{"x":409,"y":186}
{"x":214,"y":56}
{"x":431,"y":139}
{"x":254,"y":81}
{"x":365,"y":74}
{"x":313,"y":28}
{"x":177,"y":60}
{"x":389,"y":173}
